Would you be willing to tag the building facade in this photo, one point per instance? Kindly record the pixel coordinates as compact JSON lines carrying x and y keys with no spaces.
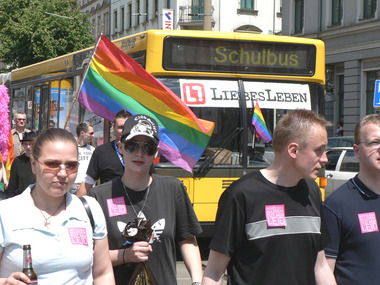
{"x":350,"y":30}
{"x":124,"y":17}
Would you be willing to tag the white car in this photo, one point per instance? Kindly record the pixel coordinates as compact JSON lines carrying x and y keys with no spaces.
{"x":342,"y":166}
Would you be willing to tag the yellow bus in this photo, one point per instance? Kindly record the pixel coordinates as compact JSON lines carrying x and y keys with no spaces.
{"x":219,"y":75}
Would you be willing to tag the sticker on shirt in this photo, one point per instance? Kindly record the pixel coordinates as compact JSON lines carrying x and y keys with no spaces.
{"x":78,"y":236}
{"x":116,"y":206}
{"x":368,"y":222}
{"x":275,"y":215}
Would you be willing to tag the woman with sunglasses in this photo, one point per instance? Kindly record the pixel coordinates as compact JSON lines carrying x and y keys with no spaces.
{"x":65,"y":247}
{"x":161,"y":199}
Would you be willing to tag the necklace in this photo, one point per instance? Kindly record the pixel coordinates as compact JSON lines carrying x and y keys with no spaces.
{"x":47,"y":222}
{"x":140,"y":214}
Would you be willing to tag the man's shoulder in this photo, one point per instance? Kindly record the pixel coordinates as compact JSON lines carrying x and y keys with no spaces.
{"x":105,"y":146}
{"x":341,"y":195}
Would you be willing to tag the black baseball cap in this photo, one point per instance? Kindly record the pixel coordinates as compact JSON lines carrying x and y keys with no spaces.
{"x":140,"y":125}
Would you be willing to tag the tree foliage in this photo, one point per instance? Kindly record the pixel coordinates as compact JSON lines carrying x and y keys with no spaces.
{"x":29,"y":35}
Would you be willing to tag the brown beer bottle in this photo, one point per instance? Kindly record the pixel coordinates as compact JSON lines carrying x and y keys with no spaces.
{"x":28,"y":267}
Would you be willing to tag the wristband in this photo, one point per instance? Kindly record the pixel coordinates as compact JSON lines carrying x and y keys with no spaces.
{"x":196,"y":283}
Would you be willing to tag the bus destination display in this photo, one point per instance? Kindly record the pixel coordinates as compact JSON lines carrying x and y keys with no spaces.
{"x":190,"y":54}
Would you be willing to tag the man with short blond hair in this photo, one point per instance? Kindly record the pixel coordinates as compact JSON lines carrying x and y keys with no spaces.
{"x":268,"y":228}
{"x":18,"y":133}
{"x":352,"y":213}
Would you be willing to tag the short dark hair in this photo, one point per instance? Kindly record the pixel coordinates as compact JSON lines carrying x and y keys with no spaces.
{"x":52,"y":135}
{"x":83,"y":126}
{"x":122,"y":114}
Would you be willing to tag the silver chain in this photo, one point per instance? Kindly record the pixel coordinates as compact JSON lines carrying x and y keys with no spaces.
{"x":130,"y":202}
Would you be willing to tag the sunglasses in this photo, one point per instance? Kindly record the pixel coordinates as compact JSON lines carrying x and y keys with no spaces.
{"x":56,"y":165}
{"x":148,"y":148}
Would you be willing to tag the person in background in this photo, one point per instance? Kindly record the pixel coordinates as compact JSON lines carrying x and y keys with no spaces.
{"x":66,"y":249}
{"x":85,"y":133}
{"x":352,"y":213}
{"x":51,"y":124}
{"x":106,"y":161}
{"x":21,"y":175}
{"x":339,"y":129}
{"x":18,"y":133}
{"x":161,"y":199}
{"x":268,"y":228}
{"x":3,"y":178}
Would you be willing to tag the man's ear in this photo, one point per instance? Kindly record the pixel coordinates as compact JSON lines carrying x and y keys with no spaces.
{"x":293,"y":149}
{"x":356,"y":150}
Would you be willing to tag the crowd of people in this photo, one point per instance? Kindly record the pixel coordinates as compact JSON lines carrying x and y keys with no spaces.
{"x":81,"y":205}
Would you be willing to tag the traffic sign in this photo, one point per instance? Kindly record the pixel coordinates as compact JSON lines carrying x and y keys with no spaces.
{"x":376,"y":96}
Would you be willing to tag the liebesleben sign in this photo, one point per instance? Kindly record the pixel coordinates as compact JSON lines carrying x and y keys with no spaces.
{"x":217,"y":93}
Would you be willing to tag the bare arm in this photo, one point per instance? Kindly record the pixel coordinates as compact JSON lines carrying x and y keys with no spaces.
{"x":192,"y":258}
{"x":331,"y":262}
{"x":323,"y":273}
{"x":216,"y":266}
{"x":138,"y":252}
{"x":102,"y":270}
{"x":83,"y":189}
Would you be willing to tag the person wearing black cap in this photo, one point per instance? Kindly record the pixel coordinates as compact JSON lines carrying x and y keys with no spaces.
{"x":21,"y":175}
{"x":161,"y":199}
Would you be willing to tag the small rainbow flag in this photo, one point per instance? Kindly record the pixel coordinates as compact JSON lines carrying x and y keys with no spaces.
{"x":114,"y":81}
{"x":259,"y":123}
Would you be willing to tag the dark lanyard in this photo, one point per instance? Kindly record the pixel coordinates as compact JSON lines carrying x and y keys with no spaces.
{"x":118,"y":153}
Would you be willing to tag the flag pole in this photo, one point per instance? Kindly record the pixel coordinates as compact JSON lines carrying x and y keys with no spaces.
{"x":84,"y":75}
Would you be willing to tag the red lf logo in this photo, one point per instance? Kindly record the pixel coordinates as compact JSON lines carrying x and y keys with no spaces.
{"x":194,"y":93}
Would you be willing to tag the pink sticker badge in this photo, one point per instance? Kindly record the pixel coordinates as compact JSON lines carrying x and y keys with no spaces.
{"x":275,"y":215}
{"x":78,"y":236}
{"x":368,"y":222}
{"x":116,"y":206}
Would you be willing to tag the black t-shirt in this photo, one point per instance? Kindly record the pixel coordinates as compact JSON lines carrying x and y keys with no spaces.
{"x":105,"y":163}
{"x":170,"y":211}
{"x":352,"y":213}
{"x":272,"y":233}
{"x":21,"y":176}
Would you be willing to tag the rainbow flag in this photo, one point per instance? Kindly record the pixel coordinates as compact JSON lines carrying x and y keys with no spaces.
{"x":259,"y":124}
{"x":114,"y":81}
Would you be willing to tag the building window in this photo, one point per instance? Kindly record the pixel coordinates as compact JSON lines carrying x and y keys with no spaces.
{"x":122,"y":19}
{"x":299,"y":14}
{"x":336,"y":12}
{"x":340,"y":96}
{"x":115,"y":21}
{"x":138,"y":12}
{"x":147,"y":10}
{"x":106,"y":23}
{"x":99,"y":26}
{"x":369,"y":8}
{"x":247,"y":4}
{"x":372,"y":76}
{"x":129,"y":13}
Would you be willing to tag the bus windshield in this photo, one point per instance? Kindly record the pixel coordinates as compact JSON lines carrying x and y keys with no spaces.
{"x":232,"y":142}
